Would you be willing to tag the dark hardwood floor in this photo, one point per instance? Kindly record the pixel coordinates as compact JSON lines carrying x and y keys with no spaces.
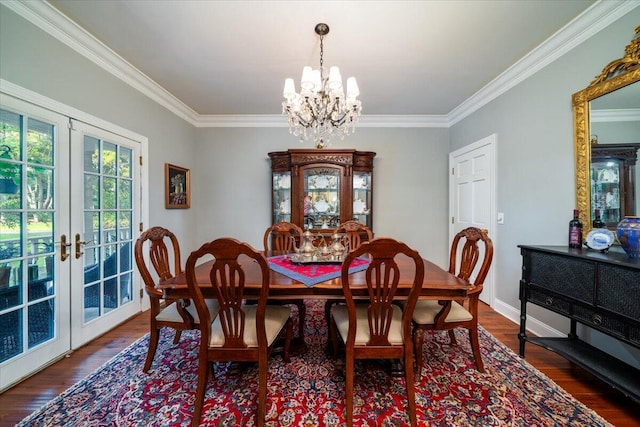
{"x":19,"y":401}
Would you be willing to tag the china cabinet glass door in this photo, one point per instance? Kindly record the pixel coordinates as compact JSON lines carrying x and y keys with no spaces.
{"x":281,"y":197}
{"x":362,"y":198}
{"x":321,"y":197}
{"x":606,"y":192}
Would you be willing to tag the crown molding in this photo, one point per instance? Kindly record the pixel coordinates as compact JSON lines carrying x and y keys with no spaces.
{"x":278,"y":121}
{"x":49,"y":19}
{"x":588,"y":23}
{"x":59,"y":26}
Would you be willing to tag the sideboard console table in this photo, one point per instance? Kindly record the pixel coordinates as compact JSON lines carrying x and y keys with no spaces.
{"x":599,"y":290}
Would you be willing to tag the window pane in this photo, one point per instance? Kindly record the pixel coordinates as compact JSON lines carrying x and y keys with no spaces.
{"x":109,"y":158}
{"x":91,"y":157}
{"x":124,"y":163}
{"x":40,"y":142}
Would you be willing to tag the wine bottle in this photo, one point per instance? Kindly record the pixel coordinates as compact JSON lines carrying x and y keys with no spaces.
{"x":597,"y":221}
{"x":575,"y":230}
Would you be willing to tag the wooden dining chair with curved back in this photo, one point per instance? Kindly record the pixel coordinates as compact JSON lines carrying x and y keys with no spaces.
{"x":377,"y":327}
{"x":240,"y":332}
{"x":178,"y":315}
{"x":466,"y":252}
{"x":355,"y":233}
{"x":281,"y":237}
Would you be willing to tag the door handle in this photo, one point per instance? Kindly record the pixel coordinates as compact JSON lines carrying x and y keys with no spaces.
{"x":79,"y":243}
{"x":63,"y":247}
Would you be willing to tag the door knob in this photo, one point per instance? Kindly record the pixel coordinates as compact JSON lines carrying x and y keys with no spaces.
{"x":79,"y":243}
{"x":63,"y":247}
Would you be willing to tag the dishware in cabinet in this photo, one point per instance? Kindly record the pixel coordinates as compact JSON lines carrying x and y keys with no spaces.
{"x":327,"y":187}
{"x":281,"y":208}
{"x":613,"y":189}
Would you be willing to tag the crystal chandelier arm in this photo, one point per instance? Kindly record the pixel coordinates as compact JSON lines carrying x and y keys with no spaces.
{"x":321,"y":109}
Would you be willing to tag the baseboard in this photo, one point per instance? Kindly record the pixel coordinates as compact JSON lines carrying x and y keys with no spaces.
{"x":534,"y":326}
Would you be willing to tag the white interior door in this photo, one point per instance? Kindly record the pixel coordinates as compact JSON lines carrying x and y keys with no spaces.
{"x":472,"y":195}
{"x":34,"y":212}
{"x":105,"y":199}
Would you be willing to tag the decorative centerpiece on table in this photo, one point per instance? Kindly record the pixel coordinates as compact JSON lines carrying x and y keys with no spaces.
{"x":308,"y":252}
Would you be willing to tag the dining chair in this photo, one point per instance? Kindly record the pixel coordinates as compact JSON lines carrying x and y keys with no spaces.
{"x":282,"y":237}
{"x":240,"y":332}
{"x":377,"y":327}
{"x":467,"y":248}
{"x":176,"y":314}
{"x":355,"y":233}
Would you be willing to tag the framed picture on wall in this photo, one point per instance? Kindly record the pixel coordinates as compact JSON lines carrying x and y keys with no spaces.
{"x":176,"y":187}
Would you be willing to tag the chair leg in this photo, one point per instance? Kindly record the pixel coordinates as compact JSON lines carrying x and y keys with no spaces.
{"x":302,"y":313}
{"x":452,"y":336}
{"x":409,"y":378}
{"x":287,"y":340}
{"x":203,"y":377}
{"x":262,"y":389}
{"x":333,"y":336}
{"x":475,"y":347}
{"x":176,"y":337}
{"x":327,"y":310}
{"x":349,"y":373}
{"x":418,"y":340}
{"x":154,"y":337}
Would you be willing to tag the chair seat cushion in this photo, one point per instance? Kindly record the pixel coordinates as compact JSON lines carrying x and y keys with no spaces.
{"x":426,"y":311}
{"x":341,"y":317}
{"x":275,"y":318}
{"x":170,"y":313}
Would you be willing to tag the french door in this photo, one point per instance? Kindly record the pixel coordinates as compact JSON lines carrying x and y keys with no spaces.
{"x":103,"y":190}
{"x":68,"y":195}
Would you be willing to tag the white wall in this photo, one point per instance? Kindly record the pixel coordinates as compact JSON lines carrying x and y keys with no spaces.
{"x":32,"y":59}
{"x":536,"y":185}
{"x":232,"y":183}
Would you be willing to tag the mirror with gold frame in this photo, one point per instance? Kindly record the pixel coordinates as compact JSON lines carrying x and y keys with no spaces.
{"x":618,"y":78}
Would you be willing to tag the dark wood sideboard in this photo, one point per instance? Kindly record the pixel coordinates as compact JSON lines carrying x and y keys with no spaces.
{"x":599,"y":290}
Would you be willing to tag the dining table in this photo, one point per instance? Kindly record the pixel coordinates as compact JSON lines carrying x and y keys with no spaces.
{"x":438,"y":283}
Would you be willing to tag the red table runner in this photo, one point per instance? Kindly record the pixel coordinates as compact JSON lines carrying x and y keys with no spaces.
{"x":310,"y":274}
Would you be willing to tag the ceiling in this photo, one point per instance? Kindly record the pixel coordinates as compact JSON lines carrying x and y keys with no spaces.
{"x":409,"y":57}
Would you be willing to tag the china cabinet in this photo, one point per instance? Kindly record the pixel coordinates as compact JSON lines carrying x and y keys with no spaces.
{"x":613,"y":181}
{"x":319,"y":189}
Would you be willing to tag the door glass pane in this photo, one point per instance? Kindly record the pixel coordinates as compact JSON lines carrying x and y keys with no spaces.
{"x":281,"y":197}
{"x":107,"y":227}
{"x":362,"y":198}
{"x":321,"y":202}
{"x":26,"y":233}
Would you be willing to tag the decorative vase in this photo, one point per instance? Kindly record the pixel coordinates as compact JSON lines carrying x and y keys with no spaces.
{"x":628,"y":233}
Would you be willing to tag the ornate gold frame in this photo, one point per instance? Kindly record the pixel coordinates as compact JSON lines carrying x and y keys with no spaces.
{"x":615,"y":75}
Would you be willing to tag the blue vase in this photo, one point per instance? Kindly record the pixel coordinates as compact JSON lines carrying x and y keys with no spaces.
{"x":628,"y":233}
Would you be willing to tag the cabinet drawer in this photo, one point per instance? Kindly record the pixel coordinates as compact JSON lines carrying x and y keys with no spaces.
{"x":549,"y":302}
{"x":572,"y":277}
{"x":599,"y":321}
{"x":618,"y":289}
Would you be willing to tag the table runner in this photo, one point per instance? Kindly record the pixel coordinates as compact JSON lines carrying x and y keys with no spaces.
{"x":310,"y":274}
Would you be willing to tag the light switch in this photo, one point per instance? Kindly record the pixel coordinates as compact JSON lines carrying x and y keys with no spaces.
{"x":500,"y":217}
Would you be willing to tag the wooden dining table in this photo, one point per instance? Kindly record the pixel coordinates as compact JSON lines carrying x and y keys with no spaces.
{"x":438,"y":284}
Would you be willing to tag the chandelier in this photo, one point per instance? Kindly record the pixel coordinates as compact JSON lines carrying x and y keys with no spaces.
{"x":321,"y":109}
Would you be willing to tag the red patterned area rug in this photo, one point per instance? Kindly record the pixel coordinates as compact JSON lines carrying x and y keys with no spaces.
{"x":309,"y":391}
